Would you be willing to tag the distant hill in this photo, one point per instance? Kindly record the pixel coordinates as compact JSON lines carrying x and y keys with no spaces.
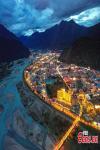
{"x":10,"y":46}
{"x":84,"y":52}
{"x":60,"y":36}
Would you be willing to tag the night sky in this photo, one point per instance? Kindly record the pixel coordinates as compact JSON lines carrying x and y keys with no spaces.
{"x":24,"y":17}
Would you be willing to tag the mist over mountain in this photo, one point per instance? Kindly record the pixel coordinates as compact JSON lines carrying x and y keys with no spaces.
{"x":60,"y":36}
{"x":10,"y":46}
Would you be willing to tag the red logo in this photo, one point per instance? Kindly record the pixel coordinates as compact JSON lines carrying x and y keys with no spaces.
{"x":83,"y":137}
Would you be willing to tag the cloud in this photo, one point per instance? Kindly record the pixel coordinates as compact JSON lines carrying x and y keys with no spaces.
{"x":27,"y":16}
{"x":88,"y":17}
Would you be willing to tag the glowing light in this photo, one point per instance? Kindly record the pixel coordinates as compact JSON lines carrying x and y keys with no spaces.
{"x":97,"y":106}
{"x":74,"y":79}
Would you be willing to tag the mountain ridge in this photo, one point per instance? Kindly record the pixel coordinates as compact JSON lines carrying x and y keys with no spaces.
{"x":11,"y":48}
{"x":60,"y":36}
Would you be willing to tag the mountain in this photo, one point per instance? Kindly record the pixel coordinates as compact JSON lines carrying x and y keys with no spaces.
{"x":84,"y":52}
{"x":60,"y":36}
{"x":10,"y":46}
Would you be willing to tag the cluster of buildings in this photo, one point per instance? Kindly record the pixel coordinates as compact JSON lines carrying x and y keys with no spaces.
{"x":69,"y":85}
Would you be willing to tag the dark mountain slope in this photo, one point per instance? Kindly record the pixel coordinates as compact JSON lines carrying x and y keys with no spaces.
{"x":10,"y":46}
{"x":60,"y":36}
{"x":84,"y":52}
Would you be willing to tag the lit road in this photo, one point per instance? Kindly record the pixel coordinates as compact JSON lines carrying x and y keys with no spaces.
{"x":57,"y":69}
{"x":68,"y":132}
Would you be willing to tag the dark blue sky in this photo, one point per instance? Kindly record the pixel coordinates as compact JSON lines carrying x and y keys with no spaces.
{"x":28,"y":16}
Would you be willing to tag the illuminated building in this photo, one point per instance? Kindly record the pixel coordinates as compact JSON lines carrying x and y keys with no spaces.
{"x":82,"y":98}
{"x":97,"y":107}
{"x":74,"y":99}
{"x":43,"y":92}
{"x":89,"y":107}
{"x":64,"y":96}
{"x":61,"y":95}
